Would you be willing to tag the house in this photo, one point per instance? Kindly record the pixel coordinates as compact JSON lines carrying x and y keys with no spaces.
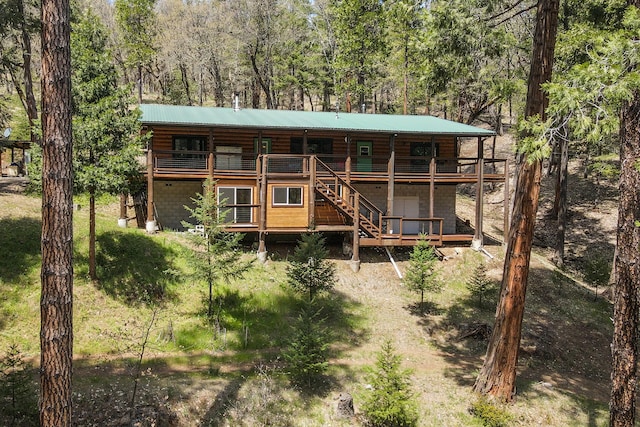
{"x":380,"y":179}
{"x":14,"y":157}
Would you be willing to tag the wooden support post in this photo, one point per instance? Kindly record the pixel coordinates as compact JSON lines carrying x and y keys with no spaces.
{"x":432,"y":192}
{"x":263,"y":194}
{"x":210,"y":166}
{"x":312,"y":192}
{"x":391,"y":168}
{"x":355,"y":258}
{"x":123,"y":205}
{"x":122,"y":221}
{"x":212,"y":156}
{"x":477,"y":241}
{"x":507,"y":203}
{"x":305,"y":143}
{"x":262,"y":220}
{"x":151,"y":221}
{"x":347,"y":164}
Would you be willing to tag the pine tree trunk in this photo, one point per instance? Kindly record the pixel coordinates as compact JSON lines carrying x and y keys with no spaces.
{"x":498,"y":373}
{"x":92,"y":235}
{"x":30,"y":99}
{"x":624,"y":348}
{"x":185,"y":82}
{"x":560,"y":204}
{"x":405,"y":75}
{"x":140,"y":83}
{"x":56,"y":334}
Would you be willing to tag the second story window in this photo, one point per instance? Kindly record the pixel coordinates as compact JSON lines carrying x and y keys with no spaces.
{"x":189,"y":146}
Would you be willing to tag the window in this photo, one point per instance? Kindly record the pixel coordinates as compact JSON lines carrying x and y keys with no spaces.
{"x":184,"y":144}
{"x":234,"y":198}
{"x":287,"y":196}
{"x":314,"y":145}
{"x":425,"y":150}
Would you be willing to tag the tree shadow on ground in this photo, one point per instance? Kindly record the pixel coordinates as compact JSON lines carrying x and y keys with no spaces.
{"x":19,"y":257}
{"x":427,"y":308}
{"x":273,"y":327}
{"x":241,"y":384}
{"x":215,"y":415}
{"x":256,"y":321}
{"x":134,"y":268}
{"x":565,"y":340}
{"x":20,"y":247}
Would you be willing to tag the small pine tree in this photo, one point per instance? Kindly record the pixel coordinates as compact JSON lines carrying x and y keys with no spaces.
{"x":218,"y":256}
{"x":309,"y":271}
{"x":390,"y":402}
{"x":422,"y":275}
{"x":307,"y":352}
{"x":18,"y":392}
{"x":479,"y":285}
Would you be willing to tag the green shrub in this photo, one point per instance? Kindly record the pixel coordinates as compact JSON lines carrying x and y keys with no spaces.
{"x":390,"y":402}
{"x":490,"y":414}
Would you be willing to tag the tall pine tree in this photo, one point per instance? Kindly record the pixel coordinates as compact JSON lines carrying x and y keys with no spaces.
{"x":498,"y":374}
{"x":360,"y":35}
{"x":624,"y":347}
{"x":56,"y":298}
{"x":106,"y":131}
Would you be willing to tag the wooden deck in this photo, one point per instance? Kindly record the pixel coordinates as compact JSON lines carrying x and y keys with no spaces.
{"x":438,"y":170}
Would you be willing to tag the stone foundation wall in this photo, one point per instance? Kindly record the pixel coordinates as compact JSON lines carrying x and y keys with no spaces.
{"x":170,"y":198}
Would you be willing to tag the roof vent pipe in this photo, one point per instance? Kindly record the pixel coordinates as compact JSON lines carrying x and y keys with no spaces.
{"x":236,"y":102}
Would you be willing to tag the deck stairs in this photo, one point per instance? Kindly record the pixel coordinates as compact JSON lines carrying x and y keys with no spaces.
{"x":347,"y":200}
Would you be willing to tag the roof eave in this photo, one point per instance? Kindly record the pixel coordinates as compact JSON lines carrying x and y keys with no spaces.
{"x":319,"y":129}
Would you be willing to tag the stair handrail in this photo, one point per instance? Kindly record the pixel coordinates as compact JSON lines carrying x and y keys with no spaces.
{"x":363,"y":200}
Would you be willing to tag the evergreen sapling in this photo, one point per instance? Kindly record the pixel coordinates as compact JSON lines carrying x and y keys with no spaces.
{"x":479,"y":285}
{"x":217,"y":256}
{"x":309,"y":271}
{"x":390,"y":403}
{"x":422,"y":275}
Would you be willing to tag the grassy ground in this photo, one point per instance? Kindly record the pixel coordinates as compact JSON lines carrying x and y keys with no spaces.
{"x":195,"y":374}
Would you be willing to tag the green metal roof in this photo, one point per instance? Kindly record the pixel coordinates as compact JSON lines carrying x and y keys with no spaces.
{"x":155,"y":114}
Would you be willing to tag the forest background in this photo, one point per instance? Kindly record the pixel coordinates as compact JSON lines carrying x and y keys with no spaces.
{"x":466,"y":61}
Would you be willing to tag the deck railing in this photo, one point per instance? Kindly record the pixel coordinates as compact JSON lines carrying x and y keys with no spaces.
{"x":181,"y":160}
{"x":399,"y":226}
{"x":197,"y":163}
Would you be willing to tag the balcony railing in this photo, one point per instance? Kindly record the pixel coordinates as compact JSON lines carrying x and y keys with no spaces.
{"x":197,"y":163}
